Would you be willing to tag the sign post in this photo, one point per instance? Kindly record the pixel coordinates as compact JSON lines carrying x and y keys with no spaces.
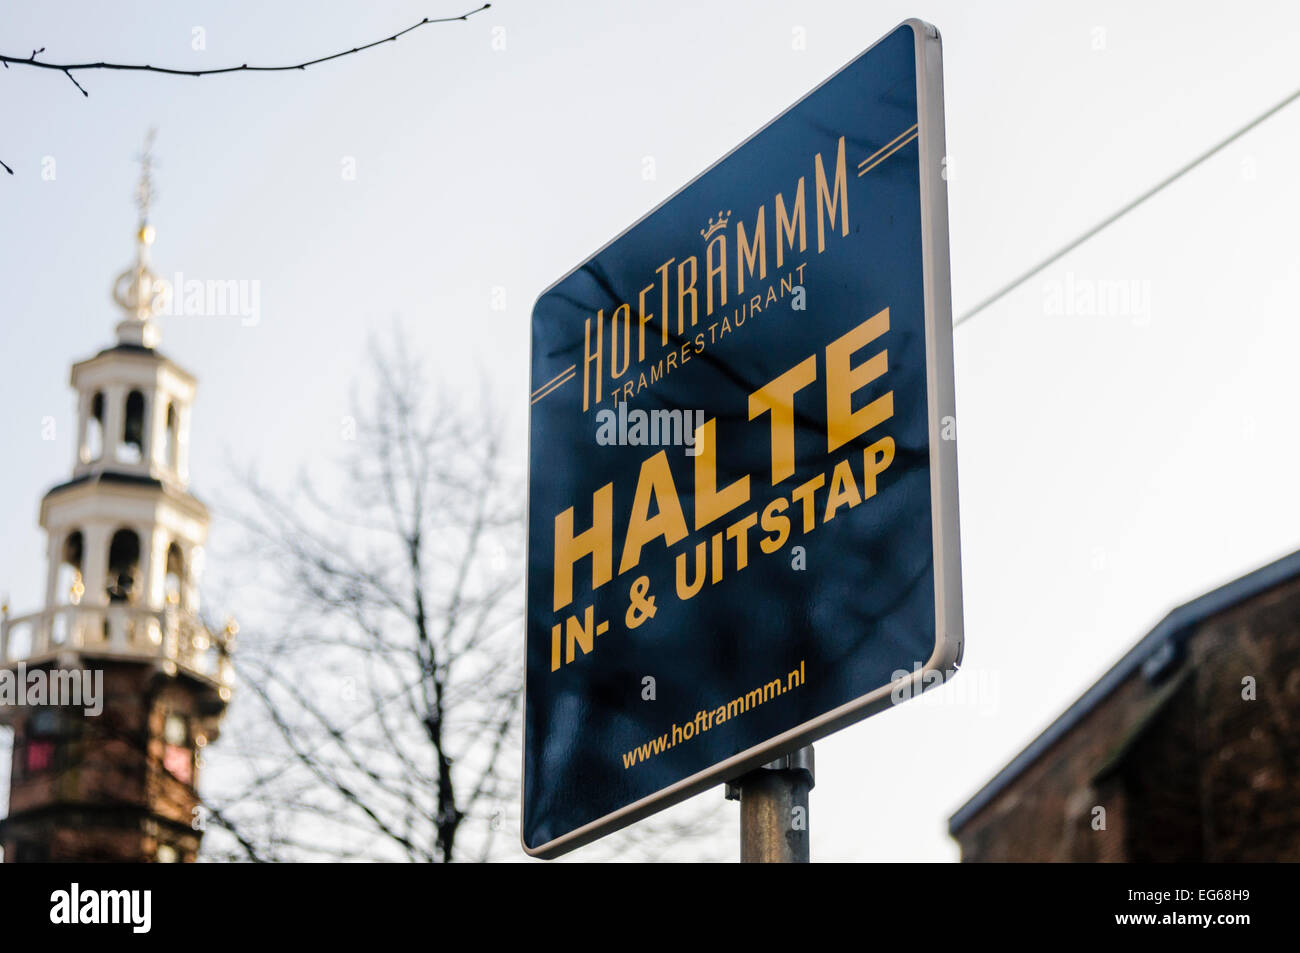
{"x":774,"y":810}
{"x":742,"y":507}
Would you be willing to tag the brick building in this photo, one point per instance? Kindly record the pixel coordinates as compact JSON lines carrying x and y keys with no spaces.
{"x":1190,"y":745}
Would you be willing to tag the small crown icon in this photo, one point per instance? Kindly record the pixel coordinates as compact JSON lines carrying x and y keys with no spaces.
{"x":715,"y":224}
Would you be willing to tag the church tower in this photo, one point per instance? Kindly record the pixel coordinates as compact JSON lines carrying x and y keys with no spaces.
{"x":124,"y":548}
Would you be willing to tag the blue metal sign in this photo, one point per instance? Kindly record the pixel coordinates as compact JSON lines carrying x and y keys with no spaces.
{"x":742,"y":513}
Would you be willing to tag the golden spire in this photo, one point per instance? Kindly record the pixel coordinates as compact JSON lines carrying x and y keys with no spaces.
{"x":137,"y":290}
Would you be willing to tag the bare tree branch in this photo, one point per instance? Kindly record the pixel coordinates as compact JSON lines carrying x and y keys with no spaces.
{"x":67,"y":69}
{"x":244,"y":67}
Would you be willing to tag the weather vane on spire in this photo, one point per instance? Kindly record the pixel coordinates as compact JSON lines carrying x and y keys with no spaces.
{"x":137,"y":290}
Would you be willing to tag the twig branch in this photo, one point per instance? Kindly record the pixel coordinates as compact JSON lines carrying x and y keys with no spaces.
{"x":68,"y":68}
{"x":76,"y":84}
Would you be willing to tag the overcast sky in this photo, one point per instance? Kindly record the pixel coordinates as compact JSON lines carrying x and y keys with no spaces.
{"x":1111,"y":465}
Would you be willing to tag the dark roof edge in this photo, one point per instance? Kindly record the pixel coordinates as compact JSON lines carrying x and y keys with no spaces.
{"x":107,"y":476}
{"x":127,"y":479}
{"x":1173,"y":627}
{"x":138,"y":350}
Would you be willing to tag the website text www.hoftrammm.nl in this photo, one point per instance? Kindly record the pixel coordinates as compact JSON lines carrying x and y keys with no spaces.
{"x":706,"y":718}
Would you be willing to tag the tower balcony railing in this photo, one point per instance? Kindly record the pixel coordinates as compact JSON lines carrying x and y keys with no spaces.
{"x":120,"y":632}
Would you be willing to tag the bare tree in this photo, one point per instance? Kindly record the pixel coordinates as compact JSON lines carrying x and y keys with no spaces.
{"x":381,"y":716}
{"x":391,"y":677}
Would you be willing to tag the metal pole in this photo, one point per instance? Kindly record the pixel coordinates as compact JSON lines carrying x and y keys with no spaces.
{"x":774,"y":810}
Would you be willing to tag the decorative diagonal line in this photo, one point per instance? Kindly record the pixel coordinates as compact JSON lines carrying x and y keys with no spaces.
{"x":912,"y":128}
{"x":551,"y":388}
{"x":553,"y":380}
{"x":862,"y":172}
